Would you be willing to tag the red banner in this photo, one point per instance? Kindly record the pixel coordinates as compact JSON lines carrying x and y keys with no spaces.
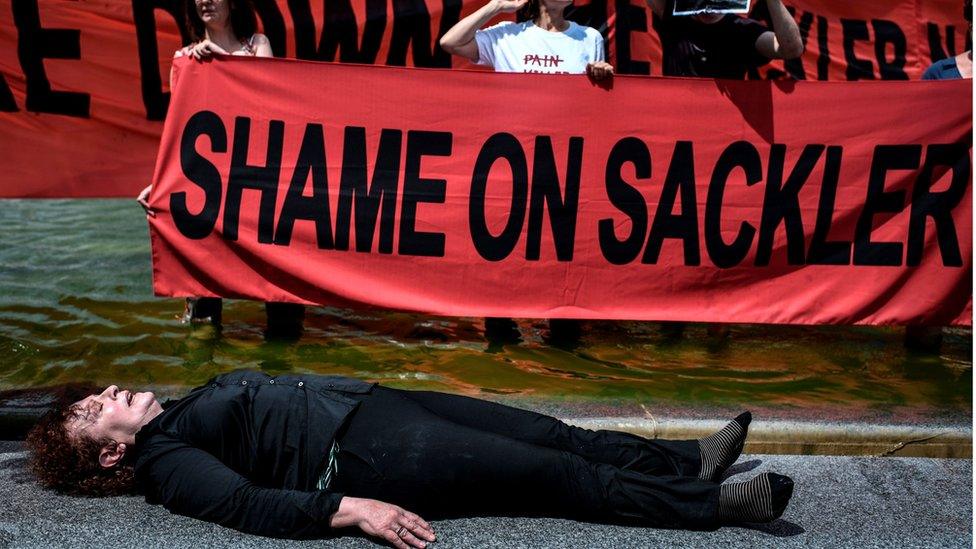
{"x":83,"y":85}
{"x":477,"y":194}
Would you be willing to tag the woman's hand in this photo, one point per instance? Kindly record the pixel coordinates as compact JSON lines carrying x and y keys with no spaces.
{"x":397,"y":526}
{"x":601,"y":70}
{"x":205,"y":49}
{"x":509,"y":6}
{"x":143,"y":200}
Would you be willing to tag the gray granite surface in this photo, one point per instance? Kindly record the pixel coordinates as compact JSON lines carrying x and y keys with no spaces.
{"x":839,"y":502}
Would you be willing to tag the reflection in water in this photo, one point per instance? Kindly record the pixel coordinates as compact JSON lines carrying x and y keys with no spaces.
{"x":76,"y":304}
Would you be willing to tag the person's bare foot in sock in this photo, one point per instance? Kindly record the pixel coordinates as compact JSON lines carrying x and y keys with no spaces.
{"x":762,"y":499}
{"x":720,"y":450}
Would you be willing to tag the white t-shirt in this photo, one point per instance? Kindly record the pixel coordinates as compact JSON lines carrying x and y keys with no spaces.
{"x":524,"y":47}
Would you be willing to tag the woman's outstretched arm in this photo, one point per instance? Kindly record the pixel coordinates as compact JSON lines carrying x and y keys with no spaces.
{"x":191,"y":482}
{"x":459,"y":40}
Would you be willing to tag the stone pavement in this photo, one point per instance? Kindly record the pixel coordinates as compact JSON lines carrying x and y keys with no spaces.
{"x":838,"y":502}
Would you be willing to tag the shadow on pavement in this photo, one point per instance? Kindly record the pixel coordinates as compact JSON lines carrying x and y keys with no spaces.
{"x":778,"y":528}
{"x":740,"y":468}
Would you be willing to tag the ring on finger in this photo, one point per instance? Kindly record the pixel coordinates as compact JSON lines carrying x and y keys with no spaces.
{"x":399,"y":532}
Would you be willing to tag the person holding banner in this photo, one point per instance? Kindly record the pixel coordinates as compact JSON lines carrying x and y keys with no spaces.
{"x":227,"y":27}
{"x":959,"y":66}
{"x":544,"y":42}
{"x":299,"y":456}
{"x":702,"y":38}
{"x":709,"y":39}
{"x":929,"y":338}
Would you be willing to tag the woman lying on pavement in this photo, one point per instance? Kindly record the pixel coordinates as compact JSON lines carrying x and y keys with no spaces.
{"x":298,"y":456}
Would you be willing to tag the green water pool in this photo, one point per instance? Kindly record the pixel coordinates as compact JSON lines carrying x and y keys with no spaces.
{"x":76,"y":304}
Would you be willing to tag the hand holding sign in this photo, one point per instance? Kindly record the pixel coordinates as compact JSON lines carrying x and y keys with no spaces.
{"x":601,"y":70}
{"x":205,"y":49}
{"x":695,"y":7}
{"x":143,"y":200}
{"x":509,"y":6}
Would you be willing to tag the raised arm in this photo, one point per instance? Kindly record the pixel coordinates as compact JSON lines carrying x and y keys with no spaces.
{"x":459,"y":40}
{"x":784,"y":40}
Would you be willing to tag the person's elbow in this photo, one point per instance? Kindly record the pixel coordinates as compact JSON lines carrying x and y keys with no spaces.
{"x":468,"y":50}
{"x":448,"y":45}
{"x":791,"y":50}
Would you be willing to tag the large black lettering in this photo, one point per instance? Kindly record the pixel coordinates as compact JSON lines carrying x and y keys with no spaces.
{"x":885,"y":33}
{"x":681,"y":177}
{"x":263,"y":179}
{"x":154,"y":98}
{"x":498,"y":146}
{"x":823,"y":45}
{"x":311,"y":161}
{"x":340,"y":33}
{"x":418,"y":189}
{"x":938,"y":206}
{"x":201,"y":172}
{"x":886,"y":158}
{"x":936,"y":51}
{"x":545,"y":195}
{"x":382,"y":190}
{"x":740,"y":154}
{"x":630,"y":19}
{"x":781,"y":203}
{"x":34,"y":44}
{"x":7,"y":103}
{"x":855,"y":30}
{"x":823,"y":251}
{"x":627,"y":199}
{"x":411,"y":31}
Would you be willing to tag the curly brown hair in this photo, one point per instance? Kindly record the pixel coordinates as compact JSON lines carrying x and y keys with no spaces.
{"x":70,"y":464}
{"x":242,"y":20}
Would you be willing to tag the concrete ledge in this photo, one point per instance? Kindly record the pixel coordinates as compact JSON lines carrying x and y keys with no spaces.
{"x":809,"y":438}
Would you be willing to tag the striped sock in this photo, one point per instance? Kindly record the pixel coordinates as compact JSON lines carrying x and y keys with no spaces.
{"x":761,"y":499}
{"x":721,"y":449}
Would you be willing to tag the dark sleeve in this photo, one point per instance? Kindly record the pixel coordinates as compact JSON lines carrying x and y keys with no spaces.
{"x":745,"y":32}
{"x":939,"y":70}
{"x":191,"y":482}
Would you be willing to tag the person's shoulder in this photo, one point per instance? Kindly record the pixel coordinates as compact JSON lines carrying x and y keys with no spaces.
{"x":588,"y":32}
{"x":504,"y":28}
{"x":237,"y":377}
{"x":743,"y":22}
{"x":940,"y":69}
{"x":258,"y":39}
{"x":740,"y":25}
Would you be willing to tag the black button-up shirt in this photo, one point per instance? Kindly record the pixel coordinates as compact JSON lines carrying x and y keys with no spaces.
{"x":724,"y":49}
{"x":246,"y":450}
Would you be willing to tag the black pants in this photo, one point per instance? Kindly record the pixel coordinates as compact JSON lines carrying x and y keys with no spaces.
{"x":443,"y":455}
